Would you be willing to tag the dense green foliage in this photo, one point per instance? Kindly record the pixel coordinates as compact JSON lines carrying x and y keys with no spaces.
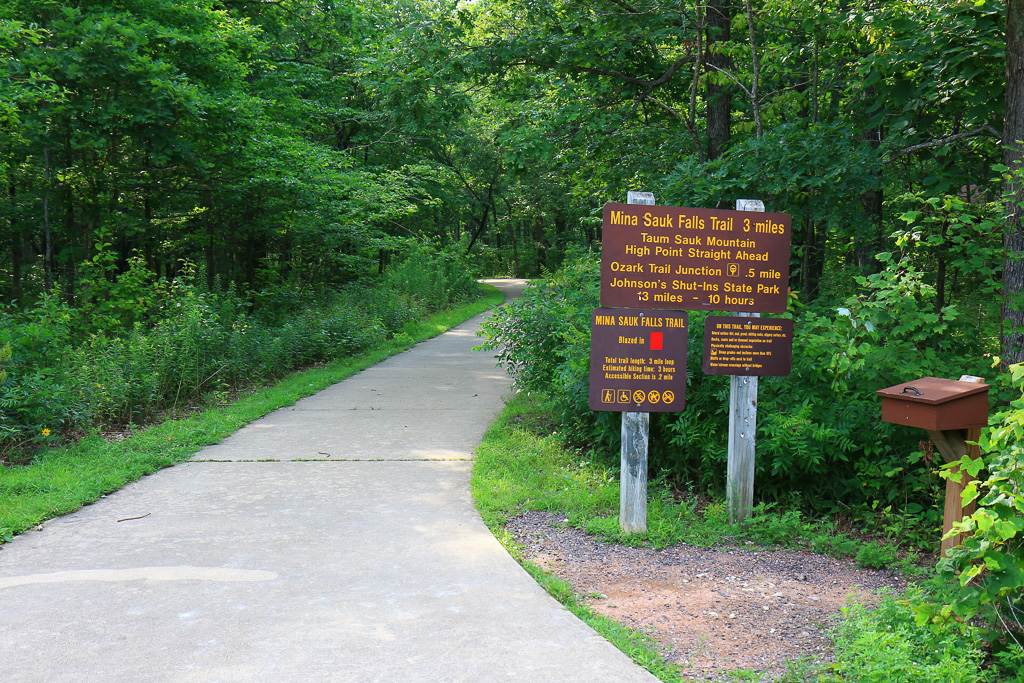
{"x":820,"y":442}
{"x":309,"y":141}
{"x":885,"y":645}
{"x":989,"y":565}
{"x":166,"y":346}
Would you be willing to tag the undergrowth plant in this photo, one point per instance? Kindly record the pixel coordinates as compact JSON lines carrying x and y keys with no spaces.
{"x":885,"y":644}
{"x":137,"y":348}
{"x":821,"y":445}
{"x":988,"y":565}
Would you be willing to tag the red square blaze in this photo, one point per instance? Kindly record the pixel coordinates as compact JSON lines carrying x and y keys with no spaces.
{"x":656,"y":341}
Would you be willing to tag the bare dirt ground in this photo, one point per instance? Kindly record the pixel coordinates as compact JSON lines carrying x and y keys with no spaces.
{"x":711,"y":611}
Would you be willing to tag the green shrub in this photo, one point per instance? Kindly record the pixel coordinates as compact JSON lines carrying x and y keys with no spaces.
{"x":877,"y":556}
{"x":432,"y":279}
{"x":886,"y":645}
{"x":138,"y":359}
{"x":35,"y":399}
{"x":989,"y":564}
{"x":820,"y":442}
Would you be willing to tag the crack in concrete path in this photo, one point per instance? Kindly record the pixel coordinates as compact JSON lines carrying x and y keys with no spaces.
{"x":183,"y":573}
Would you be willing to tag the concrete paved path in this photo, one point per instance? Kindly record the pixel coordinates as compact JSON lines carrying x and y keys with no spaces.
{"x":334,"y":540}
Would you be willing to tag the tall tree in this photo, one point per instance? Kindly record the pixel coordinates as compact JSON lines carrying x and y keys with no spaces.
{"x":718,"y":96}
{"x":1013,"y":159}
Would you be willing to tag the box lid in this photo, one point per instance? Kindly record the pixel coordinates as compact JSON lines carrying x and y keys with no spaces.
{"x":932,"y":390}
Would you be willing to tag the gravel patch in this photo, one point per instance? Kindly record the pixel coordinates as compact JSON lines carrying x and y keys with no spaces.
{"x":710,"y":611}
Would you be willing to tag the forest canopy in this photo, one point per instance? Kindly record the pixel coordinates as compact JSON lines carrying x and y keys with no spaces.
{"x":309,"y":141}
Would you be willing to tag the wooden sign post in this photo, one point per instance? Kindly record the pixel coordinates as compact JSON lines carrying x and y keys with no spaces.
{"x":636,"y":429}
{"x":739,"y":478}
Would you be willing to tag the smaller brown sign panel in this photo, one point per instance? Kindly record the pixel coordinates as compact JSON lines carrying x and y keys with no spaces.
{"x":638,"y":360}
{"x":747,"y":346}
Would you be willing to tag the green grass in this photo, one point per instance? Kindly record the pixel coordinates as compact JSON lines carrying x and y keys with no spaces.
{"x":61,"y":480}
{"x":519,"y":469}
{"x":524,"y":464}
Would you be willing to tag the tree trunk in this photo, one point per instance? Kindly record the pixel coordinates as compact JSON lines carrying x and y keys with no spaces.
{"x":74,"y":224}
{"x":47,"y":237}
{"x":515,"y":250}
{"x":807,"y":262}
{"x":719,"y":97}
{"x":561,"y":228}
{"x":866,"y":246}
{"x":211,"y":254}
{"x":1013,"y":158}
{"x":17,"y":245}
{"x":940,"y":269}
{"x":71,"y":230}
{"x":538,"y":237}
{"x":480,"y":229}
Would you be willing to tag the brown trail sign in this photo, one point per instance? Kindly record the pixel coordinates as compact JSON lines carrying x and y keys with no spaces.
{"x":674,"y":258}
{"x":638,"y":360}
{"x":747,"y":346}
{"x":671,"y":258}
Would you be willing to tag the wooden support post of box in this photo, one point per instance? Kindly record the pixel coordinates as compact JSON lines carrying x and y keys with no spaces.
{"x":953,"y":413}
{"x":739,"y":478}
{"x":633,"y":452}
{"x":954,"y":445}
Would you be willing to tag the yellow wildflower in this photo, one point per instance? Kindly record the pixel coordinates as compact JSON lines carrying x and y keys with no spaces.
{"x":46,"y":432}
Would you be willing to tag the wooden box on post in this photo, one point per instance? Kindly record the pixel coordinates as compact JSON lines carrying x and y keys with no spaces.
{"x":936,"y":404}
{"x":953,"y":413}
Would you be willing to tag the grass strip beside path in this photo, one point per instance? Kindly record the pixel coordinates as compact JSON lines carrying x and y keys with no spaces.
{"x":63,"y":479}
{"x":515,"y":470}
{"x":524,"y":464}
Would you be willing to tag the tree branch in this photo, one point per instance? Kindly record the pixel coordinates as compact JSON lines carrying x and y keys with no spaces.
{"x":632,"y":80}
{"x":686,"y":122}
{"x":731,"y":78}
{"x":942,"y":141}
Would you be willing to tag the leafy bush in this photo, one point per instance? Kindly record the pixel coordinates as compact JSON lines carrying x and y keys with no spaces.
{"x":989,"y":564}
{"x":886,"y":645}
{"x":35,"y":400}
{"x":875,"y":556}
{"x":820,"y":443}
{"x":432,"y":279}
{"x":819,"y":429}
{"x":139,"y":358}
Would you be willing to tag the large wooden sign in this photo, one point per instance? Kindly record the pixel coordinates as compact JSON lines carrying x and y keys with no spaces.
{"x":666,"y":257}
{"x":637,"y":360}
{"x":747,"y":346}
